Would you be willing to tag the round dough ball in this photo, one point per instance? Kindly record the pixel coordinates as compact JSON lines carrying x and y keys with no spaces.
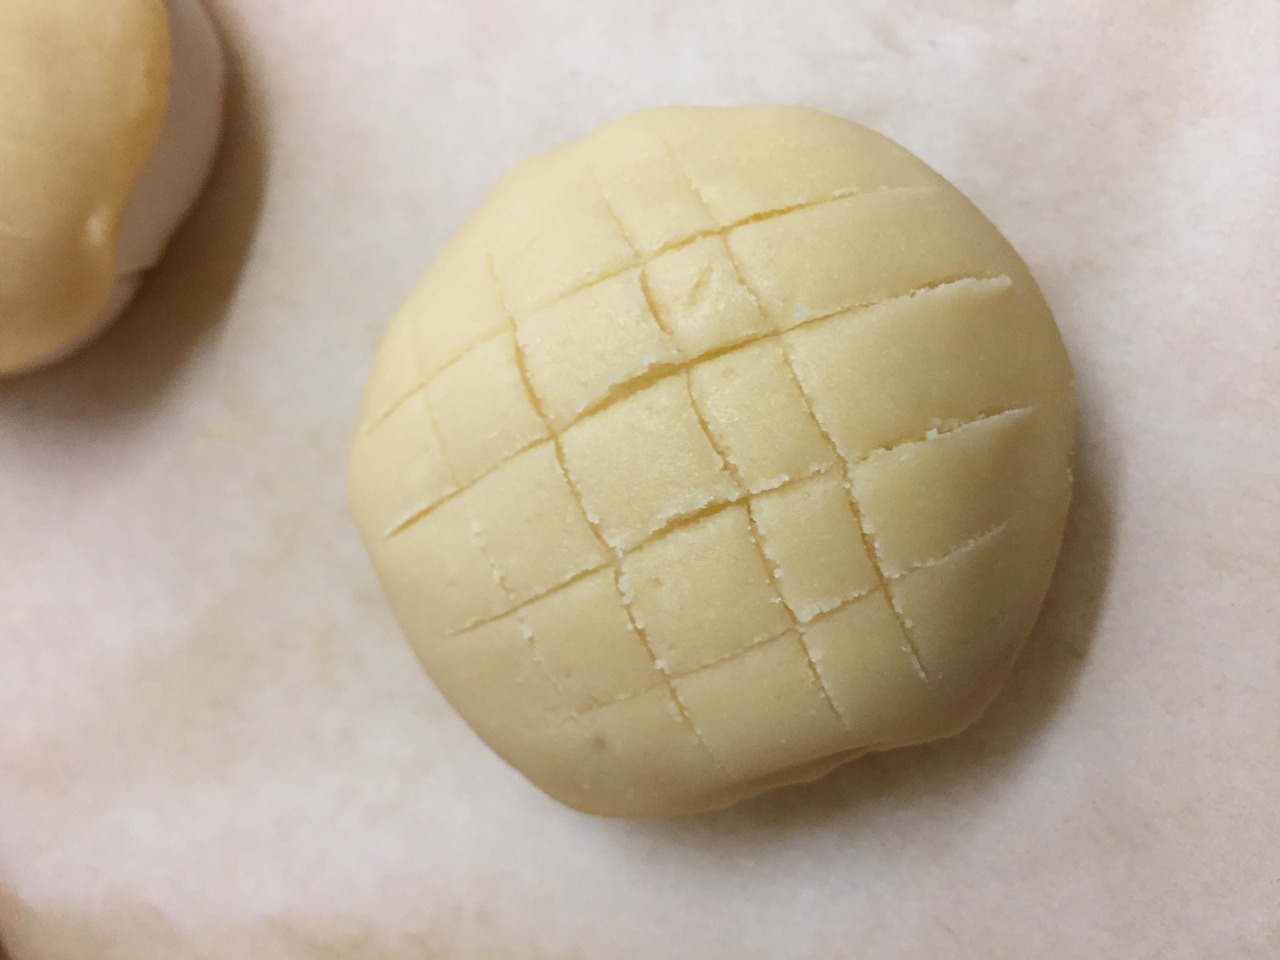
{"x":109,"y":122}
{"x":722,"y":446}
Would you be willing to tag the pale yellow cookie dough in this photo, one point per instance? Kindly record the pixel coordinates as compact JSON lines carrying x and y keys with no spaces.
{"x":109,"y":121}
{"x":722,"y":446}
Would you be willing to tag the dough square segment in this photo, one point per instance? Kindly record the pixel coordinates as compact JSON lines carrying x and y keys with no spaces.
{"x":736,"y":163}
{"x":406,"y":469}
{"x":396,"y":374}
{"x":587,"y":643}
{"x":437,"y":573}
{"x":702,"y":592}
{"x":922,"y":500}
{"x":889,"y":373}
{"x":580,"y":348}
{"x":483,"y":409}
{"x":494,"y":669}
{"x":763,"y":711}
{"x":647,"y":190}
{"x":533,"y":525}
{"x":758,"y":417}
{"x":701,"y":300}
{"x":954,"y":606}
{"x":455,"y":307}
{"x":860,"y":250}
{"x":867,"y":667}
{"x":561,"y":238}
{"x":809,"y":531}
{"x":627,"y":753}
{"x":961,"y":620}
{"x":645,"y":461}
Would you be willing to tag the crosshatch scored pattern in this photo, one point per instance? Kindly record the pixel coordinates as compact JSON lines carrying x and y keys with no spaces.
{"x":732,"y":497}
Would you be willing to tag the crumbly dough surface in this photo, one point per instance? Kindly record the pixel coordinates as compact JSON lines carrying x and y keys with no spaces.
{"x":720,"y":447}
{"x":83,"y":90}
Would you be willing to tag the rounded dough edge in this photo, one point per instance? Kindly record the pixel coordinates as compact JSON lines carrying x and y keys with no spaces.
{"x":75,"y":159}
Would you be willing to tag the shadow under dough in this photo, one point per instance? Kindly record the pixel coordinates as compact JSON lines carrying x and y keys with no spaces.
{"x":971,"y":762}
{"x":182,"y":298}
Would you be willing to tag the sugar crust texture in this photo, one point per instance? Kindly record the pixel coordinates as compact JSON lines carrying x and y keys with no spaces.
{"x":722,"y":446}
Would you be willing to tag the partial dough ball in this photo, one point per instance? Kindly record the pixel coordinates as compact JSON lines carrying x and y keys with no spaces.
{"x":109,"y":122}
{"x":721,"y":447}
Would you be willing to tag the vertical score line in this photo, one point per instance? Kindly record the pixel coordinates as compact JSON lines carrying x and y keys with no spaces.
{"x":615,"y":557}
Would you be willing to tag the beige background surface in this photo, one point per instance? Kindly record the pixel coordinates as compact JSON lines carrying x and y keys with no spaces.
{"x":213,"y":743}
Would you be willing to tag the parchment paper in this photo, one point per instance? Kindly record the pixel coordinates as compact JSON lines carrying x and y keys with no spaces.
{"x":213,"y":743}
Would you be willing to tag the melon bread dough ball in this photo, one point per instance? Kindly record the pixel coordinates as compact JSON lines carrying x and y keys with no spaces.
{"x":109,"y":121}
{"x":722,"y":446}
